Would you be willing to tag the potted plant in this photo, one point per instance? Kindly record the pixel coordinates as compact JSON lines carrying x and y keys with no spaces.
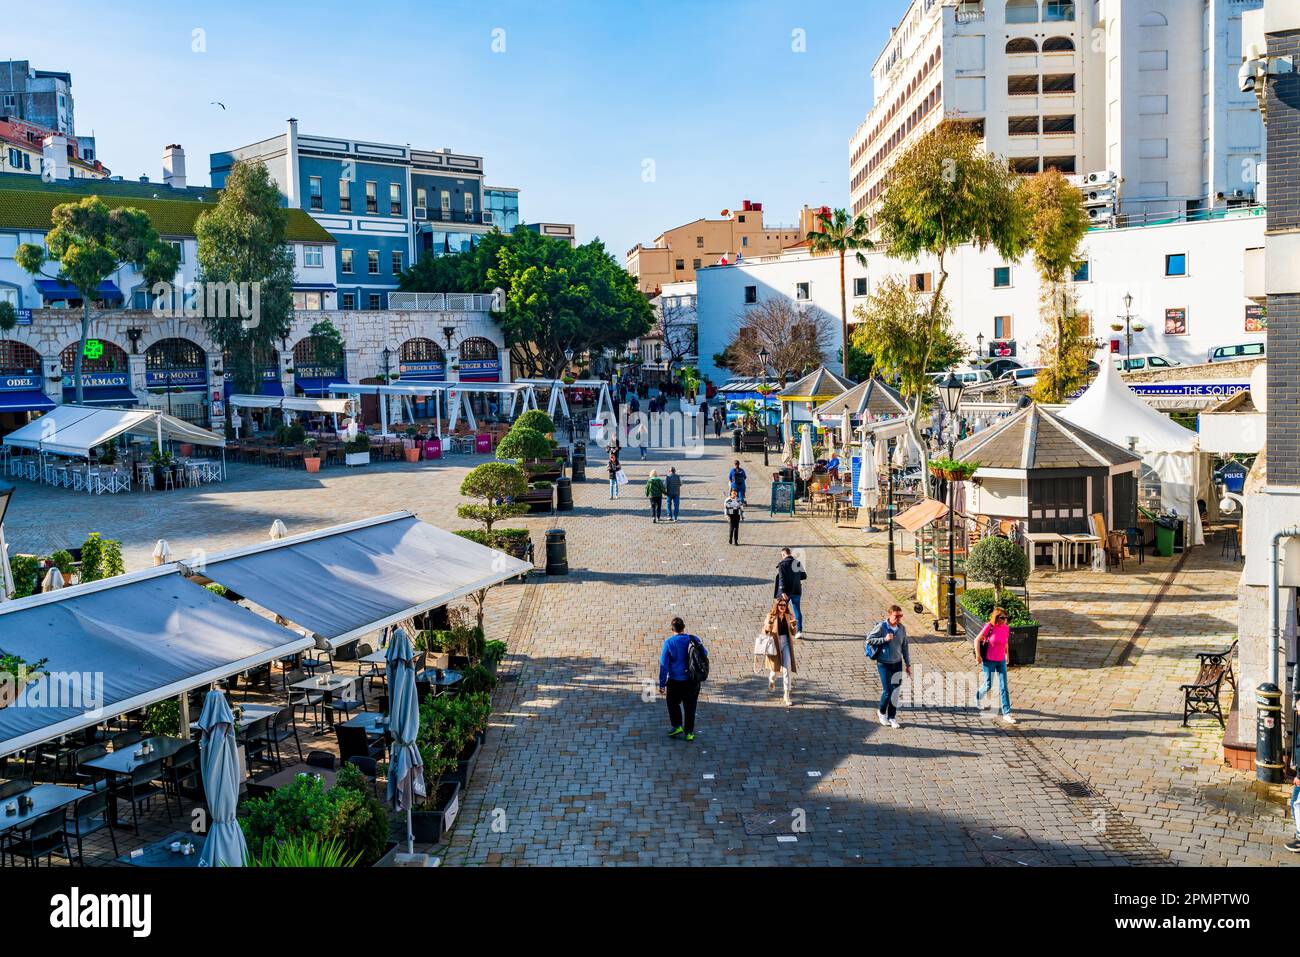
{"x":953,"y":470}
{"x":348,"y":813}
{"x":411,"y":450}
{"x":160,"y":460}
{"x":1000,"y":562}
{"x":515,"y":542}
{"x":310,"y":460}
{"x":108,"y":453}
{"x":357,"y":451}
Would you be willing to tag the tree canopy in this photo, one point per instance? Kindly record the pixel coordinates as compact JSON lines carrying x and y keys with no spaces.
{"x":795,"y":339}
{"x":494,"y":482}
{"x":839,"y":234}
{"x":906,"y":336}
{"x":557,"y":297}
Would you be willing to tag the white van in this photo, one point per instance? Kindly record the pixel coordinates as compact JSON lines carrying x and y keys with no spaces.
{"x":1245,"y":350}
{"x":965,"y":376}
{"x":1146,"y":360}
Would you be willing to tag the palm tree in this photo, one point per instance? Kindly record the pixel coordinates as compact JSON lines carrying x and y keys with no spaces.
{"x":836,"y":233}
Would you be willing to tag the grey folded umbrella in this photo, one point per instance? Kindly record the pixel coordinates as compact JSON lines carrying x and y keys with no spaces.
{"x":405,"y":768}
{"x":219,"y":762}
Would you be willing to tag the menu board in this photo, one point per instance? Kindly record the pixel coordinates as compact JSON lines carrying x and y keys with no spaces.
{"x":782,"y":498}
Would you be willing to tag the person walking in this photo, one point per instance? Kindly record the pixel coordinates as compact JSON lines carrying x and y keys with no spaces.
{"x":790,"y":576}
{"x":1294,"y":845}
{"x":654,"y":490}
{"x":614,"y":467}
{"x":735,"y":512}
{"x":991,"y":649}
{"x":673,"y":490}
{"x":675,"y":682}
{"x":718,"y":421}
{"x":887,"y":646}
{"x":781,"y":628}
{"x":736,"y":479}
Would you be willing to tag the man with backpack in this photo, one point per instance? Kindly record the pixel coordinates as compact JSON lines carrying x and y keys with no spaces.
{"x":790,"y":576}
{"x":683,"y":666}
{"x":887,"y":647}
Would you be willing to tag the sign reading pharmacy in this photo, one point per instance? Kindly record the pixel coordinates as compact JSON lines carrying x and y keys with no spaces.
{"x":99,"y":380}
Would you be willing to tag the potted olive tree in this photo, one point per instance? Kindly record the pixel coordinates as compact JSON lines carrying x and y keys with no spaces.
{"x":1000,"y":562}
{"x":310,"y":458}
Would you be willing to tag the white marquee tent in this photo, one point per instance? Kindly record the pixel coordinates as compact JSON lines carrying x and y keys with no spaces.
{"x":457,"y":397}
{"x":1109,"y":408}
{"x":73,"y":430}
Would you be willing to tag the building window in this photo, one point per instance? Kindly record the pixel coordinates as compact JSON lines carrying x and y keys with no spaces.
{"x":312,"y":257}
{"x":1058,"y":124}
{"x":11,"y":101}
{"x":802,"y":291}
{"x":1002,"y":327}
{"x":1001,"y":277}
{"x":741,"y":218}
{"x":372,"y":197}
{"x":1081,"y":272}
{"x":860,"y":287}
{"x":680,"y":264}
{"x":345,"y":196}
{"x":1024,"y":165}
{"x":345,"y":264}
{"x":180,"y":249}
{"x":1022,"y":11}
{"x":372,"y":262}
{"x":349,"y":300}
{"x":421,"y":196}
{"x":1176,"y":264}
{"x":394,"y":199}
{"x":1022,"y":126}
{"x":1022,"y":85}
{"x":699,"y":242}
{"x":375,"y":301}
{"x":314,"y":192}
{"x":1058,"y":83}
{"x":1022,"y":45}
{"x":1058,"y":45}
{"x":695,"y":264}
{"x":1058,"y":11}
{"x":744,"y":240}
{"x":921,"y":282}
{"x":397,"y":262}
{"x":469,"y":207}
{"x":1062,"y":164}
{"x":751,"y":295}
{"x":446,"y":205}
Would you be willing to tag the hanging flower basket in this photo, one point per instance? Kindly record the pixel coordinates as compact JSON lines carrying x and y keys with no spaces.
{"x":953,"y":471}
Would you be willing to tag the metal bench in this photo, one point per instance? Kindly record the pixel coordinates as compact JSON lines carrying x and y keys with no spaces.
{"x":1202,"y":695}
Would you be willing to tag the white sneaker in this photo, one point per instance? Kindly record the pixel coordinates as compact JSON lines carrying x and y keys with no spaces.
{"x":798,"y":636}
{"x":893,"y":723}
{"x":1008,"y":719}
{"x":883,"y":719}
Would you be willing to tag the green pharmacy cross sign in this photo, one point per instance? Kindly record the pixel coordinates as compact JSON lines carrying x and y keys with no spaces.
{"x":94,"y":349}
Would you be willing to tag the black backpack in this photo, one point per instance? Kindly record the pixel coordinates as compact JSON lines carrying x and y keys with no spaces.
{"x":697,"y":661}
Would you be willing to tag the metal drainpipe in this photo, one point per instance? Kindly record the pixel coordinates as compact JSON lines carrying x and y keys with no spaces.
{"x":1269,"y":760}
{"x":1274,"y":605}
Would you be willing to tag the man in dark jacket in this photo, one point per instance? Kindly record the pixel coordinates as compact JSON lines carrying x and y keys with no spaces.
{"x":673,"y":489}
{"x":790,"y":577}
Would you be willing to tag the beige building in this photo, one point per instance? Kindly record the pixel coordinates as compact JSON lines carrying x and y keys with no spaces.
{"x":677,"y":253}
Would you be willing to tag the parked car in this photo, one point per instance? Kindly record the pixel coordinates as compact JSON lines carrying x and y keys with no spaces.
{"x":1244,"y":350}
{"x":1023,"y":376}
{"x":1000,"y":367}
{"x":1144,"y":361}
{"x":966,"y":376}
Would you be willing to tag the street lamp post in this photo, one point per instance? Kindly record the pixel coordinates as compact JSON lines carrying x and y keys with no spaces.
{"x":1131,"y":325}
{"x":763,"y":356}
{"x":891,"y":572}
{"x":950,"y":392}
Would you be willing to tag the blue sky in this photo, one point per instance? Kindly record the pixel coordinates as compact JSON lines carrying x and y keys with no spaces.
{"x":584,"y":93}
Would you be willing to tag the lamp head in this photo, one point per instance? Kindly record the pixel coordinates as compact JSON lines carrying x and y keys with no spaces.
{"x":950,"y":392}
{"x":1128,"y":301}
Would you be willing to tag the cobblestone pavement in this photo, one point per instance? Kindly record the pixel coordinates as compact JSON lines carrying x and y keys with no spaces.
{"x":577,"y":770}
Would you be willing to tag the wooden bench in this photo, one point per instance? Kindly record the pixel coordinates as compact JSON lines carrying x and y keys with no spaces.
{"x":1202,"y":695}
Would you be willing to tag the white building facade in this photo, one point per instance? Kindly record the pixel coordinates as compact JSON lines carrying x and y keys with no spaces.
{"x":1144,"y":89}
{"x":1187,"y":280}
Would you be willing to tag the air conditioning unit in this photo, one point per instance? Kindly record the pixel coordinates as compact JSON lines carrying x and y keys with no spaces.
{"x":1098,"y":197}
{"x":1100,"y":213}
{"x":1094,"y":179}
{"x":487,"y":217}
{"x":421,"y":212}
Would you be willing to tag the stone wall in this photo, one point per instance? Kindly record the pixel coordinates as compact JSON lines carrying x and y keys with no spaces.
{"x":1238,"y":369}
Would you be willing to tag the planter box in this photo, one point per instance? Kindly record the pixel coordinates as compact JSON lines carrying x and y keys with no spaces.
{"x":539,"y":500}
{"x":430,"y":825}
{"x":411,"y":455}
{"x":467,"y":761}
{"x":356,"y":458}
{"x":1022,"y":646}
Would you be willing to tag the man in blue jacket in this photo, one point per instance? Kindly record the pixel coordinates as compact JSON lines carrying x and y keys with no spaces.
{"x":676,"y":683}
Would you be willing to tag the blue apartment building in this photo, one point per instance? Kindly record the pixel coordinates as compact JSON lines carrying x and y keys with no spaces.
{"x":385,"y":205}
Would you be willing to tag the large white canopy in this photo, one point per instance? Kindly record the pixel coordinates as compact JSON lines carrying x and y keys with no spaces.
{"x":290,"y":403}
{"x":74,"y":430}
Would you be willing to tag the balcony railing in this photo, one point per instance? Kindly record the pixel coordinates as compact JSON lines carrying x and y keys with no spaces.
{"x":439,"y":302}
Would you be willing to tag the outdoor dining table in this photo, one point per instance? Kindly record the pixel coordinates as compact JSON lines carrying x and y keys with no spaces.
{"x":160,"y":853}
{"x":1055,"y":540}
{"x":1076,"y":542}
{"x":45,"y":798}
{"x":374,"y":658}
{"x":247,"y":715}
{"x":443,"y":678}
{"x":322,"y":684}
{"x":375,"y":723}
{"x":125,"y":760}
{"x":291,"y":774}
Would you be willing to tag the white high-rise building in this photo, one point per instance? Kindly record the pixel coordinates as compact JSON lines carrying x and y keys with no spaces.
{"x":1144,"y":89}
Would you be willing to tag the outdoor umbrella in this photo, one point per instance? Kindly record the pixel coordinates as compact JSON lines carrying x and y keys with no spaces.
{"x":846,"y":430}
{"x":162,"y":552}
{"x":219,"y":763}
{"x":53,"y":579}
{"x":806,"y":461}
{"x":868,"y":483}
{"x":278,"y":531}
{"x":405,"y":769}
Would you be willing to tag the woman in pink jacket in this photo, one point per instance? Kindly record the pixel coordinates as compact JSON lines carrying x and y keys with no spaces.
{"x":991,"y":647}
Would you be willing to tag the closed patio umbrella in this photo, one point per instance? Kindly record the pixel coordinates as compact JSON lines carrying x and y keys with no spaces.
{"x":278,"y":531}
{"x":882,"y":455}
{"x":406,"y":768}
{"x":806,"y":461}
{"x":219,"y":764}
{"x":162,"y":552}
{"x":846,"y":430}
{"x":868,"y":483}
{"x":53,"y":579}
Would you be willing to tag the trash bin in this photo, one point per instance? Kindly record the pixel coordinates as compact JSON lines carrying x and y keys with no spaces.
{"x":579,"y":468}
{"x":557,"y":552}
{"x":1165,"y":530}
{"x":563,"y":495}
{"x":735,"y":440}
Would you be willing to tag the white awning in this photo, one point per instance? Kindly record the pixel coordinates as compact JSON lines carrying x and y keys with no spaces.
{"x":74,"y":430}
{"x":290,"y":403}
{"x":124,"y":643}
{"x":348,"y":581}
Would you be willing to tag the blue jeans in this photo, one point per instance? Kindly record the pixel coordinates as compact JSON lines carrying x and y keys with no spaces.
{"x":889,"y":686}
{"x":795,"y":601}
{"x":988,"y":670}
{"x":613,"y":488}
{"x":674,"y":504}
{"x":1295,"y":808}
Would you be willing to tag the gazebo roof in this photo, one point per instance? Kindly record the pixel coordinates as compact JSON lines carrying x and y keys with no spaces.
{"x":820,"y":384}
{"x":1034,"y":438}
{"x":871,"y":396}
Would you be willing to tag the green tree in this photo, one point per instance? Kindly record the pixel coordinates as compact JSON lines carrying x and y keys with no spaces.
{"x":1057,"y":225}
{"x":860,"y":364}
{"x":522,"y":444}
{"x":494,"y":482}
{"x":8,"y":316}
{"x":998,"y":561}
{"x":838,"y":234}
{"x":907,"y":335}
{"x":89,"y":243}
{"x":537,"y":420}
{"x":243,"y":239}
